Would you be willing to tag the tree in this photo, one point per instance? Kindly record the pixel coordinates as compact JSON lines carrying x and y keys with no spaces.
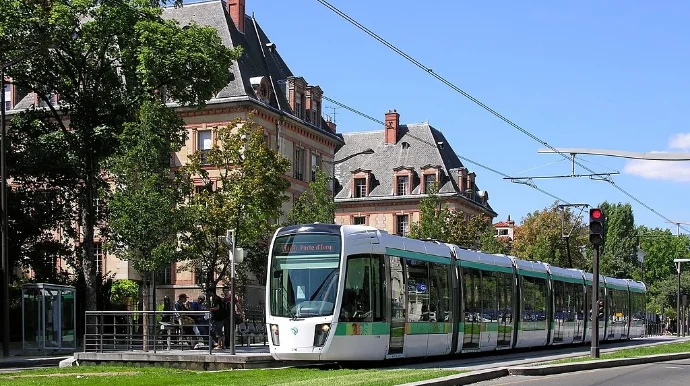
{"x":660,"y":247}
{"x":432,"y":219}
{"x":539,"y":238}
{"x":144,"y":214}
{"x":245,"y":193}
{"x":103,"y":60}
{"x":619,"y":253}
{"x":315,"y":204}
{"x":467,"y":233}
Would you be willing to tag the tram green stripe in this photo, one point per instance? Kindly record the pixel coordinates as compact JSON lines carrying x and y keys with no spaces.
{"x":617,"y":287}
{"x":485,"y":267}
{"x":638,"y":290}
{"x":541,"y":275}
{"x":377,"y":328}
{"x":568,"y":279}
{"x":418,"y":256}
{"x":417,"y":328}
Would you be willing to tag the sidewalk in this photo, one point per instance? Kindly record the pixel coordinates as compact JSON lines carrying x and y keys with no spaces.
{"x":20,"y":358}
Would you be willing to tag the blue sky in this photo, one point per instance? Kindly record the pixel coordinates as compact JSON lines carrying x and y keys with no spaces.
{"x":594,"y":74}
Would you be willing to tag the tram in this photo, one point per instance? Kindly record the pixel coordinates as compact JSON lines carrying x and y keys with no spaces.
{"x":353,"y":292}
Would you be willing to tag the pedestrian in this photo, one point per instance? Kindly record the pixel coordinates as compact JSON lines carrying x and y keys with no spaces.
{"x":218,"y":316}
{"x":237,"y":309}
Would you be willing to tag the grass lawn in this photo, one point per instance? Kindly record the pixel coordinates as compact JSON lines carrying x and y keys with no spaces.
{"x":670,"y":348}
{"x":126,"y":376}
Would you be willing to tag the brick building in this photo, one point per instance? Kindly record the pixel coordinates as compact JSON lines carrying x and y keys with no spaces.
{"x":384,"y":189}
{"x":287,"y":107}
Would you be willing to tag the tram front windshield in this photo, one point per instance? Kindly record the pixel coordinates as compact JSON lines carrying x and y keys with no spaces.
{"x":304,"y":275}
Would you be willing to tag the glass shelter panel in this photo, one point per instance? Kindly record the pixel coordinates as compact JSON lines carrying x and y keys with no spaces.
{"x":68,"y":320}
{"x":31,"y":317}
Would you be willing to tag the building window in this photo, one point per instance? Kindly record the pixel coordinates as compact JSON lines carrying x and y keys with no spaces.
{"x":298,"y":105}
{"x":204,"y":144}
{"x":8,"y":94}
{"x":403,"y":184}
{"x":402,"y":226}
{"x":164,"y":276}
{"x":203,"y":188}
{"x":315,"y":112}
{"x":360,"y":187}
{"x":429,"y":183}
{"x":359,"y":220}
{"x":98,"y":254}
{"x":99,"y":208}
{"x":503,"y":232}
{"x":315,"y":161}
{"x":299,"y":164}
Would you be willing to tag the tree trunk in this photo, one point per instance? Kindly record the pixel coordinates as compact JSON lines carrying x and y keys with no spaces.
{"x":145,"y":317}
{"x":89,"y":260}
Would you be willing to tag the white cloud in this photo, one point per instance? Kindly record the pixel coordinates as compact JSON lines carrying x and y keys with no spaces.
{"x":678,"y":171}
{"x":680,"y":141}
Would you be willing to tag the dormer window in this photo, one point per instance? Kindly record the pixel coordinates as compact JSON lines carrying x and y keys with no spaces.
{"x":430,"y":183}
{"x":361,"y":183}
{"x":8,"y":97}
{"x":298,"y":105}
{"x":360,"y":187}
{"x":403,"y":185}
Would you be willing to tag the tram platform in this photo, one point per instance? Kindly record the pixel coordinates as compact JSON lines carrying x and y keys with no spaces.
{"x":245,"y":357}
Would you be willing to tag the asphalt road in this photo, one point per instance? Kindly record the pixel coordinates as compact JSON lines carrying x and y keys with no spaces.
{"x":673,"y":373}
{"x":517,"y":358}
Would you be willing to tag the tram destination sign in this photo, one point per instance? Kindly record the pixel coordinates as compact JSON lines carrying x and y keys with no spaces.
{"x":307,"y":246}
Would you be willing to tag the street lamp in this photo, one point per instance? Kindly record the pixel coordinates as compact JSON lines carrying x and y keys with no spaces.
{"x":678,"y":262}
{"x":333,"y":163}
{"x":640,"y":257}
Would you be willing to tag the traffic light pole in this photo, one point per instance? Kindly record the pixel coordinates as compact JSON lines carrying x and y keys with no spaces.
{"x":595,"y":304}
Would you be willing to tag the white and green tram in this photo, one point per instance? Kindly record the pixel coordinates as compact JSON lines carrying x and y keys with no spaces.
{"x":353,"y":292}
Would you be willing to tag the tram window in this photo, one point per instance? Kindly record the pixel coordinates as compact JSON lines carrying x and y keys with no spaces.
{"x":534,"y":301}
{"x":489,"y":296}
{"x":471,"y":281}
{"x":417,"y":290}
{"x":439,"y":307}
{"x":505,"y":298}
{"x":362,"y":294}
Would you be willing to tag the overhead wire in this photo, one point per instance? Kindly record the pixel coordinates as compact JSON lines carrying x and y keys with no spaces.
{"x":480,"y":103}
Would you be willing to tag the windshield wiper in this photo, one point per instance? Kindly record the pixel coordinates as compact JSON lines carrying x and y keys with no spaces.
{"x":287,"y":304}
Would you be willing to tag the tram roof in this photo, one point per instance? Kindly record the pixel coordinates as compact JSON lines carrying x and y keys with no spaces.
{"x":636,"y":286}
{"x":530,"y":268}
{"x":612,"y":282}
{"x":565,"y":274}
{"x":486,"y":261}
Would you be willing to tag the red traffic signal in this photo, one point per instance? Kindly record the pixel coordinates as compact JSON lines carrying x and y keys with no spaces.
{"x":596,"y":226}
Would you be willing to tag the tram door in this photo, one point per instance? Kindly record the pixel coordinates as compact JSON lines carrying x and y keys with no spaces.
{"x":471,"y":282}
{"x":398,"y":299}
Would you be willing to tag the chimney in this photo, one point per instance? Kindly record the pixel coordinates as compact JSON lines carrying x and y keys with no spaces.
{"x":391,"y":130}
{"x":236,"y":11}
{"x":462,"y":180}
{"x":331,"y":125}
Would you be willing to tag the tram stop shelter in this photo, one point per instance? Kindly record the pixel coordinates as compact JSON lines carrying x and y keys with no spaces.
{"x":48,"y":317}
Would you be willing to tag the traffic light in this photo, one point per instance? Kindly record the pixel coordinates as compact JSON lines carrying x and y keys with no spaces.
{"x":596,"y":226}
{"x":601,"y":309}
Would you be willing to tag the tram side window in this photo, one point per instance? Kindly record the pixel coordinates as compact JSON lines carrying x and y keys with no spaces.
{"x":417,"y":291}
{"x":534,"y":300}
{"x":439,"y":307}
{"x":505,"y":299}
{"x":489,"y":296}
{"x":471,"y":281}
{"x":362,"y":295}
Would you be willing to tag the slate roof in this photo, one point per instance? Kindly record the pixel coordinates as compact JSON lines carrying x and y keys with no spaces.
{"x":416,"y":147}
{"x":259,"y":58}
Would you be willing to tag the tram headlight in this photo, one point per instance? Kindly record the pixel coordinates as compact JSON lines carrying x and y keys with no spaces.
{"x":275,"y":336}
{"x":321,"y":334}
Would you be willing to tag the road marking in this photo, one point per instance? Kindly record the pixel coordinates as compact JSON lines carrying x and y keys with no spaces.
{"x":672,"y":367}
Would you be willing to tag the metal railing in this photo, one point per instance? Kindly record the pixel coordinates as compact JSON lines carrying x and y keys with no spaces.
{"x":108,"y":331}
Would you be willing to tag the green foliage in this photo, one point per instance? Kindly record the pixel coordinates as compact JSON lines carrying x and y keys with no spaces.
{"x":144,"y":214}
{"x":618,"y":257}
{"x":660,"y":247}
{"x":104,"y":59}
{"x":438,"y":222}
{"x":123,"y":291}
{"x":314,"y":205}
{"x":539,"y":237}
{"x":432,"y":219}
{"x":246,"y":195}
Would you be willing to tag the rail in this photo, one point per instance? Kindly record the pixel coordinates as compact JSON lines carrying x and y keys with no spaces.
{"x":110,"y":331}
